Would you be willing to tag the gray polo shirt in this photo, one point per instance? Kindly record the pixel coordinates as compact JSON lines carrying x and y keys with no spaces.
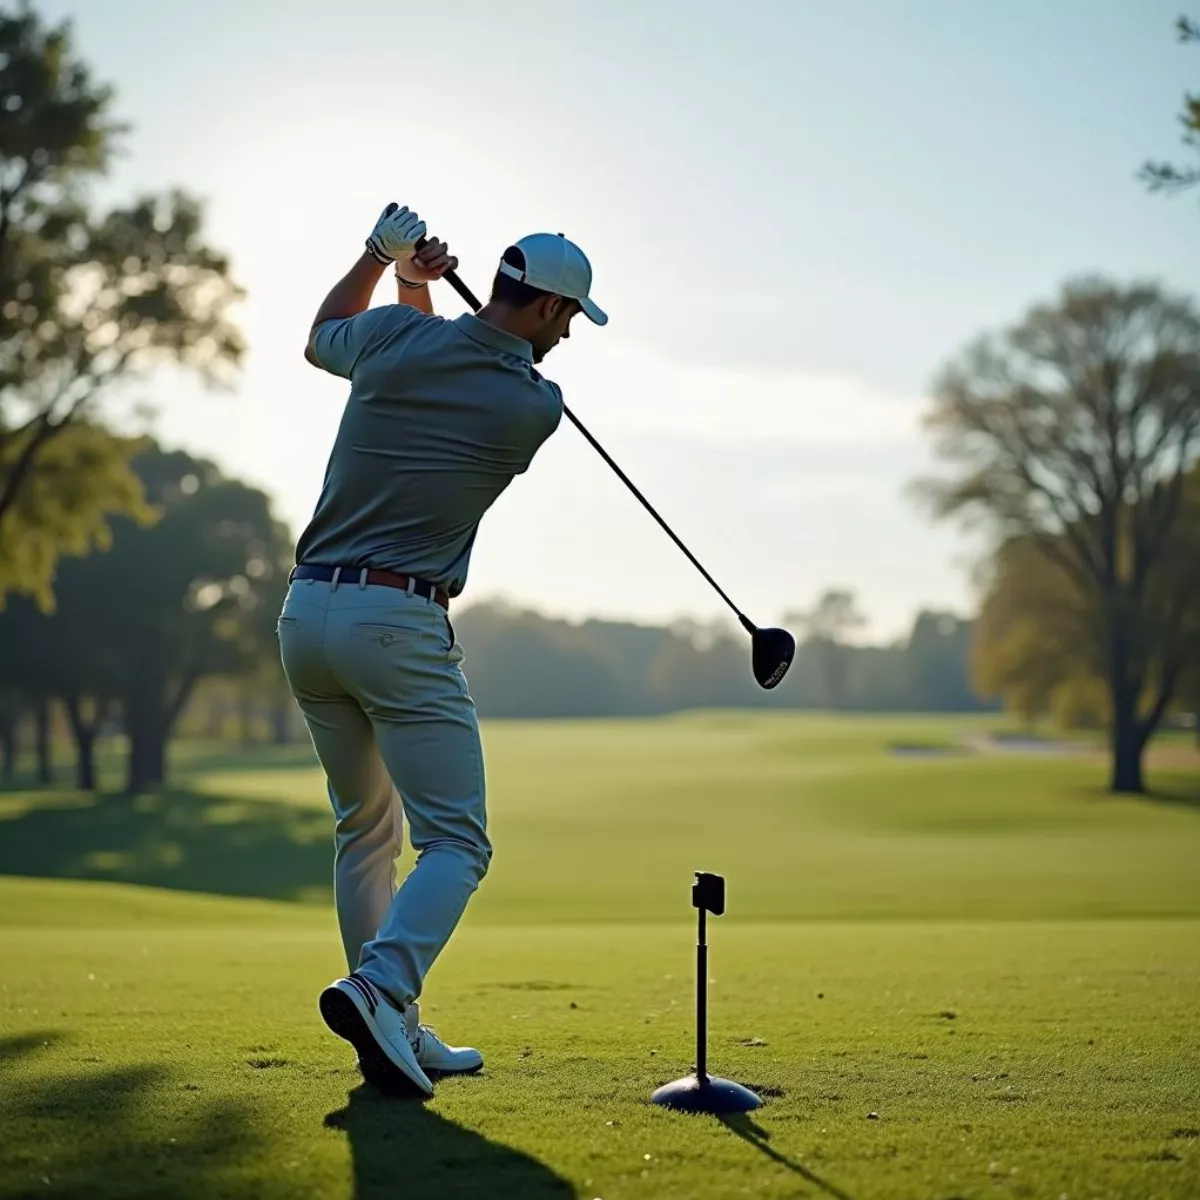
{"x":442,"y":414}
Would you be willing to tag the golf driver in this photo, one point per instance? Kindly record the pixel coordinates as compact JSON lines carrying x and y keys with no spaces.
{"x":771,"y":650}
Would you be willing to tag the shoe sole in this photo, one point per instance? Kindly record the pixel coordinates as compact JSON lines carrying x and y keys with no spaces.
{"x":341,"y":1014}
{"x":443,"y":1072}
{"x":371,"y":1070}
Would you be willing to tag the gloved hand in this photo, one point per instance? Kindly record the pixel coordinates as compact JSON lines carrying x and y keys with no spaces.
{"x":395,"y":235}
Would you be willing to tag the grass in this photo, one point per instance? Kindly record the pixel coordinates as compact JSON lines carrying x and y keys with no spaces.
{"x":990,"y":954}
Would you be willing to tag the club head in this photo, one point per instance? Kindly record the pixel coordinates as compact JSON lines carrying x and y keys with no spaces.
{"x":772,"y":651}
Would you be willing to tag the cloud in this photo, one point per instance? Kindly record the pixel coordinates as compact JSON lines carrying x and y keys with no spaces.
{"x":631,"y":388}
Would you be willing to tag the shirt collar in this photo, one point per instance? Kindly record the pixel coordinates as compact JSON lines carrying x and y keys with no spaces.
{"x":498,"y":339}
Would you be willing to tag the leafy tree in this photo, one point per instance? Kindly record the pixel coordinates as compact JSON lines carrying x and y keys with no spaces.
{"x":44,"y":660}
{"x":1039,"y":639}
{"x":1073,"y":431}
{"x":827,"y":625}
{"x":167,"y":604}
{"x":80,"y":479}
{"x":1037,"y":635}
{"x":694,"y":669}
{"x":935,"y":660}
{"x":1189,"y":693}
{"x":1166,"y":177}
{"x":522,"y":664}
{"x":89,"y":300}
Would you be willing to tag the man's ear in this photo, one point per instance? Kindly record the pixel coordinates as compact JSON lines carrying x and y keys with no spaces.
{"x":551,"y":306}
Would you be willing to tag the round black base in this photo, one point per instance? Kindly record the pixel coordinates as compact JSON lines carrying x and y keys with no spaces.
{"x":706,"y":1096}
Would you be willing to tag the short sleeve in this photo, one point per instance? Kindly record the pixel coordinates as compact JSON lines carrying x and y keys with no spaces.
{"x":339,"y":344}
{"x":544,"y":418}
{"x":554,"y":406}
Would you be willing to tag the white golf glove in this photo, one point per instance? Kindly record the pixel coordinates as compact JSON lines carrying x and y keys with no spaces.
{"x":395,"y":235}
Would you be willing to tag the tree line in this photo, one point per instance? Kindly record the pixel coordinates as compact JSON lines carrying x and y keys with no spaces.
{"x":189,"y":592}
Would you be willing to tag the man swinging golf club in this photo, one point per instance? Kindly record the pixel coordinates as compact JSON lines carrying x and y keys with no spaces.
{"x":442,"y":414}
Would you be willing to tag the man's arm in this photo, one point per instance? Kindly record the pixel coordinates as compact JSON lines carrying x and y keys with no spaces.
{"x":418,"y":296}
{"x":352,"y":295}
{"x":393,"y":241}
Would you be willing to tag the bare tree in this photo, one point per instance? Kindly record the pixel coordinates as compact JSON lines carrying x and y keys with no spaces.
{"x":1075,"y":430}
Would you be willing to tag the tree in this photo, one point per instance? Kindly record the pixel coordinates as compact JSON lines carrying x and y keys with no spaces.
{"x":81,"y":478}
{"x":88,"y":300}
{"x":1074,"y":431}
{"x":1037,"y":636}
{"x":43,"y":661}
{"x":1039,"y":640}
{"x":935,"y":659}
{"x":169,"y":603}
{"x":1163,"y":176}
{"x":1189,"y":692}
{"x":827,"y":625}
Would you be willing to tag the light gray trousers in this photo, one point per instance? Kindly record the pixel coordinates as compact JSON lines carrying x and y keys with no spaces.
{"x":376,"y":673}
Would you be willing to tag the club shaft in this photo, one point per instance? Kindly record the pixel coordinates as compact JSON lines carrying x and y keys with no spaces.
{"x":451,"y":277}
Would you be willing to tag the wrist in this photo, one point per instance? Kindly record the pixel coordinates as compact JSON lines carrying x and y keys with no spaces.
{"x":370,"y":260}
{"x":408,"y":284}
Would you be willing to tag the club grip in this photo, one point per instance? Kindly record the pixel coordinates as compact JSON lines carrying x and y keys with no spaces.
{"x":451,"y":277}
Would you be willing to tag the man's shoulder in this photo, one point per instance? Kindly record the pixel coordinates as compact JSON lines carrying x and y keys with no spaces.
{"x":404,"y":316}
{"x":387,"y":327}
{"x":550,"y":391}
{"x":547,"y":397}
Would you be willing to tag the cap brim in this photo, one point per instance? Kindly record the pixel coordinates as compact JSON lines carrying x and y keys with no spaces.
{"x":593,"y":311}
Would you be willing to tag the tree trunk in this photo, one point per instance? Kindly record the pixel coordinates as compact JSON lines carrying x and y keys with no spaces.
{"x":215,"y":718}
{"x":147,"y":735}
{"x":1127,"y":739}
{"x":146,"y":766}
{"x":150,"y":715}
{"x":246,"y":714}
{"x":85,"y":744}
{"x":281,"y":723}
{"x":45,"y":768}
{"x":143,"y":729}
{"x":86,"y":747}
{"x":8,"y":747}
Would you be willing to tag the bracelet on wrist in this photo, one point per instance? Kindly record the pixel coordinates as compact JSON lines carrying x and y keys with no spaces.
{"x":375,"y":254}
{"x":405,"y":283}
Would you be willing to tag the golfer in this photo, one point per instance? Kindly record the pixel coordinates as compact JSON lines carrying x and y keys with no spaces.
{"x":442,"y":414}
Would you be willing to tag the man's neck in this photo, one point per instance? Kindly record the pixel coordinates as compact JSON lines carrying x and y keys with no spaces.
{"x":500,"y":317}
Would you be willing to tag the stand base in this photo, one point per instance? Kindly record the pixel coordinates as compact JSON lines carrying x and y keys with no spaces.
{"x":706,"y":1095}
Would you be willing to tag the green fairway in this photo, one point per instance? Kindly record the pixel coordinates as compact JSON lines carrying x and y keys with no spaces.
{"x":987,"y":952}
{"x":810,"y":817}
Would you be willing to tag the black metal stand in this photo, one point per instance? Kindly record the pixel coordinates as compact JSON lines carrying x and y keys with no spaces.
{"x":701,"y":1092}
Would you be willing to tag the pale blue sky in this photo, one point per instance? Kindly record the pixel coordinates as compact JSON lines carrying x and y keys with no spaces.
{"x":795,"y":212}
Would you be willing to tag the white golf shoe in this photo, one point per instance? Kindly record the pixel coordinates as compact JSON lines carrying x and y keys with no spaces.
{"x":356,"y":1010}
{"x":432,"y":1053}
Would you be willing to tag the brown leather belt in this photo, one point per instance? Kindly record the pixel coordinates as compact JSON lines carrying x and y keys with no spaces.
{"x":392,"y":579}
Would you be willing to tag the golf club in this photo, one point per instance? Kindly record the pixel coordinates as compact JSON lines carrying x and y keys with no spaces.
{"x":771,"y":650}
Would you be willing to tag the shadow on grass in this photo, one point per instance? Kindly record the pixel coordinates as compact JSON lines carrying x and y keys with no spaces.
{"x":403,"y":1148}
{"x":186,"y":759}
{"x":99,"y":1133}
{"x":758,"y":1137}
{"x":1179,"y":789}
{"x":189,"y":841}
{"x":1182,"y":791}
{"x":197,"y":757}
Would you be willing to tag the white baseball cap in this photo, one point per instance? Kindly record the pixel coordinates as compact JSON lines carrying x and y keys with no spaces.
{"x":554,"y":264}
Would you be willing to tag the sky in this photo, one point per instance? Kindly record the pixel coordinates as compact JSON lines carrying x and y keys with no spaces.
{"x":796,"y":211}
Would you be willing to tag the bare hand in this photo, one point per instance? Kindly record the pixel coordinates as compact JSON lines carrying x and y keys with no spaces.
{"x":428,"y":263}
